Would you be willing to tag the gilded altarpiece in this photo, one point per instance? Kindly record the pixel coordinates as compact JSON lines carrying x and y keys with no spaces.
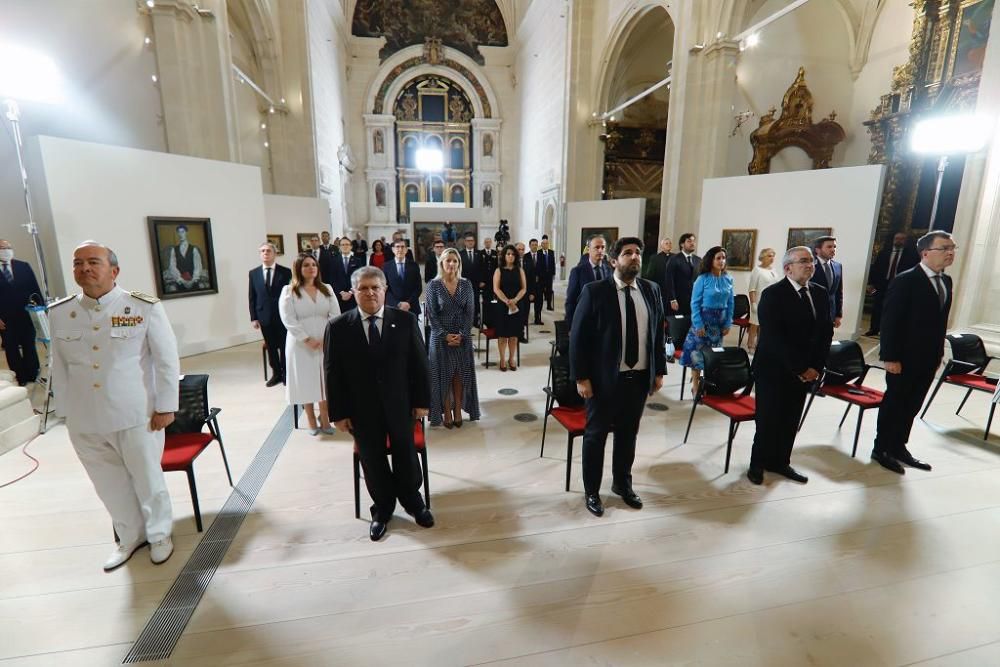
{"x":633,"y":167}
{"x":942,"y":75}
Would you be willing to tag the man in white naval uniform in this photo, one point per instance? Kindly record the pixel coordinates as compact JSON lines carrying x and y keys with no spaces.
{"x":115,"y":375}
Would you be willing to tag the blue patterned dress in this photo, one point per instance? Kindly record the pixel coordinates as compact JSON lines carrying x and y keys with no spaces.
{"x":450,"y":314}
{"x":712,"y":305}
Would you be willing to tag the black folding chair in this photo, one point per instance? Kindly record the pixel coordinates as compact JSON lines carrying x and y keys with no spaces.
{"x":725,"y":387}
{"x":966,"y":369}
{"x":566,"y":406}
{"x":741,"y":315}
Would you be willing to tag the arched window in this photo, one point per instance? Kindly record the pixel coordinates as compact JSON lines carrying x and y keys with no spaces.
{"x":457,"y":194}
{"x":457,"y":154}
{"x":410,"y":152}
{"x":412,"y":194}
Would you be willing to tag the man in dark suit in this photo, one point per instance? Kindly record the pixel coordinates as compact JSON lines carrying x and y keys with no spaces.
{"x":324,"y":243}
{"x":540,"y":271}
{"x":682,"y":269}
{"x":266,"y":282}
{"x":658,"y":269}
{"x":375,"y":367}
{"x":323,"y":258}
{"x":530,"y":282}
{"x":403,"y":278}
{"x":914,"y":323}
{"x":615,"y":372}
{"x":795,"y":334}
{"x":592,"y":267}
{"x":341,"y":266}
{"x":489,"y":260}
{"x":829,"y":275}
{"x":17,"y":286}
{"x":472,"y":269}
{"x":547,"y":259}
{"x":431,"y":263}
{"x":359,"y":246}
{"x":892,"y":260}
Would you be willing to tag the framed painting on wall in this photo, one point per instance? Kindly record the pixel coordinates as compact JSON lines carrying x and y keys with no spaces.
{"x":806,"y":235}
{"x":969,"y":50}
{"x":740,"y":246}
{"x":278,"y":241}
{"x":183,"y":256}
{"x":302,"y":241}
{"x":610,"y":235}
{"x":425,"y":232}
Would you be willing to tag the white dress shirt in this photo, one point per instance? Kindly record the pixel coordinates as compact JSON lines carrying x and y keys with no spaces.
{"x":642,"y":318}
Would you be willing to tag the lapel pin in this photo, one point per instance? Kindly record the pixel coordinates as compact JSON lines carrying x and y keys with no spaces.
{"x":393,"y":326}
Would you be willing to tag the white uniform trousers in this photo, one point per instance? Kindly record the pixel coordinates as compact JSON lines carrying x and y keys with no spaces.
{"x":125,"y":469}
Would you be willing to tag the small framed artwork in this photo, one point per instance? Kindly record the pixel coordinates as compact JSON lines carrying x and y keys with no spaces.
{"x":806,"y":235}
{"x":302,"y":241}
{"x":741,"y":248}
{"x":278,"y":241}
{"x":183,"y":256}
{"x":610,"y":235}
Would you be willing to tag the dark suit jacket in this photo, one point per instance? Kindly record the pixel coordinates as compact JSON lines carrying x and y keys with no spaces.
{"x":658,"y":273}
{"x":530,"y":273}
{"x":407,"y":289}
{"x":595,"y":343}
{"x":472,"y":271}
{"x":382,"y":382}
{"x":488,"y":262}
{"x":14,"y":297}
{"x":546,"y":269}
{"x":834,"y":291}
{"x":791,"y":339}
{"x":264,"y":304}
{"x":679,"y":280}
{"x":341,"y":280}
{"x":430,"y":268}
{"x":581,"y":275}
{"x":913,"y":323}
{"x":880,"y":268}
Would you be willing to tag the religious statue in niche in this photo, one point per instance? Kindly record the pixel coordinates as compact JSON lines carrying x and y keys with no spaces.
{"x":488,"y":196}
{"x":456,"y":110}
{"x":380,"y":195}
{"x":408,"y":107}
{"x":488,"y":145}
{"x":432,"y":50}
{"x":378,"y":141}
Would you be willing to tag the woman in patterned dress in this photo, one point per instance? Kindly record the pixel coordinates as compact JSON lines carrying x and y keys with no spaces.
{"x":712,"y":304}
{"x":451,"y":309}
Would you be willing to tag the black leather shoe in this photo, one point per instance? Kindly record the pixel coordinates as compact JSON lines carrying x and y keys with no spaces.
{"x":594,"y":504}
{"x":274,"y":381}
{"x":423,"y":517}
{"x":870,"y":332}
{"x":377,"y":530}
{"x":908,"y":459}
{"x":888,"y":462}
{"x":630,"y":497}
{"x":537,"y":322}
{"x":756,"y":475}
{"x":790,"y":473}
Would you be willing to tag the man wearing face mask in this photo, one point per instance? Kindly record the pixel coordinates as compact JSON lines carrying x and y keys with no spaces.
{"x":17,"y":285}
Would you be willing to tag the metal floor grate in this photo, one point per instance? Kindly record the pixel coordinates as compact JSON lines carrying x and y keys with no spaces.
{"x":163,"y":630}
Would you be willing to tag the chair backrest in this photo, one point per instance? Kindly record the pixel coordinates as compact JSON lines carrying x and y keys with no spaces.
{"x":562,"y":337}
{"x":677,"y":327}
{"x":968,"y":348}
{"x":741,"y":305}
{"x":846,"y":360}
{"x":192,"y":408}
{"x":727,"y":370}
{"x":563,"y":388}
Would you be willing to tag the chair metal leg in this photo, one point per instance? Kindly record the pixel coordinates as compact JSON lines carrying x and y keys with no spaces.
{"x":225,"y":461}
{"x":857,"y":431}
{"x":263,"y":354}
{"x":684,"y":372}
{"x":989,"y":421}
{"x":295,"y":415}
{"x":690,"y":419}
{"x":427,"y":484}
{"x":729,"y":445}
{"x":569,"y":458}
{"x":739,"y":342}
{"x":805,"y":412}
{"x":927,"y":405}
{"x":194,"y":496}
{"x":962,"y":404}
{"x":844,"y":417}
{"x":357,"y":486}
{"x":545,"y":423}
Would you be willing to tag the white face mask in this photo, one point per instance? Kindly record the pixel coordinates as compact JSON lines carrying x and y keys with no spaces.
{"x":6,"y":254}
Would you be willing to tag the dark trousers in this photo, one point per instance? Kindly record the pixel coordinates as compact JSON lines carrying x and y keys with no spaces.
{"x":620,"y":409}
{"x":779,"y":407}
{"x":488,"y":299}
{"x":477,"y":300}
{"x":904,"y":394}
{"x":876,"y":320}
{"x":274,"y":337}
{"x":386,"y":484}
{"x":547,"y":292}
{"x":539,"y":293}
{"x":19,"y":346}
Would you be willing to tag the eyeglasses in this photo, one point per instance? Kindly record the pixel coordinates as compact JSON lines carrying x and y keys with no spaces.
{"x":945,"y":248}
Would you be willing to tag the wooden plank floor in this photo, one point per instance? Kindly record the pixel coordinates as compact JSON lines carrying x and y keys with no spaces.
{"x":859,"y":567}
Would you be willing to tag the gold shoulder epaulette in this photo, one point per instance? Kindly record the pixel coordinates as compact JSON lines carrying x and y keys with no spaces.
{"x":142,"y":296}
{"x":59,"y":302}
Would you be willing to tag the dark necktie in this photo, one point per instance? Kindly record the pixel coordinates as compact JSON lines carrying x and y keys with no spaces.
{"x":399,"y":270}
{"x":828,"y":270}
{"x":598,"y":272}
{"x":939,"y":288}
{"x":892,"y":264}
{"x":691,"y":261}
{"x":804,"y":295}
{"x":7,"y":275}
{"x":373,"y":335}
{"x":631,"y":330}
{"x":346,"y":260}
{"x":267,"y":278}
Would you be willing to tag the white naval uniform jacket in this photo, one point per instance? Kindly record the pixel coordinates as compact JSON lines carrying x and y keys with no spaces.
{"x":114,"y":361}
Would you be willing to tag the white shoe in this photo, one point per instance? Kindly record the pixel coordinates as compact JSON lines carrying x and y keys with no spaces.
{"x":314,"y":431}
{"x":160,"y":551}
{"x":121,"y":555}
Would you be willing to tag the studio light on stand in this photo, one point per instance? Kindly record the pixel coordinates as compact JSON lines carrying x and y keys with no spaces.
{"x":27,"y":76}
{"x":947,"y":136}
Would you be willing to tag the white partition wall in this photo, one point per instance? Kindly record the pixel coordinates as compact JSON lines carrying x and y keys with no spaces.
{"x":846,"y":200}
{"x":291,"y":216}
{"x":625,"y":215}
{"x":94,"y":191}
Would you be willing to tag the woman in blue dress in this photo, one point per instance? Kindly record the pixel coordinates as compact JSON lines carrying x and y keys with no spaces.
{"x":712,"y":303}
{"x":451,"y":309}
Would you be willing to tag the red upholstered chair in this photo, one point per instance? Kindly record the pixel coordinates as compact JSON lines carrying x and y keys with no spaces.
{"x":966,"y":369}
{"x":565,"y":406}
{"x":419,"y":441}
{"x":843,"y":379}
{"x":741,"y":315}
{"x":185,"y":440}
{"x":677,"y":328}
{"x":725,"y":387}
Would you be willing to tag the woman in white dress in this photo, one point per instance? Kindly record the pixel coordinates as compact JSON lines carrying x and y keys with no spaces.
{"x":306,"y":305}
{"x":762,"y":277}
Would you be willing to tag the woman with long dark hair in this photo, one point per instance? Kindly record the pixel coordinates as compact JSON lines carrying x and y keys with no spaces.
{"x":509,"y":285}
{"x":712,"y":303}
